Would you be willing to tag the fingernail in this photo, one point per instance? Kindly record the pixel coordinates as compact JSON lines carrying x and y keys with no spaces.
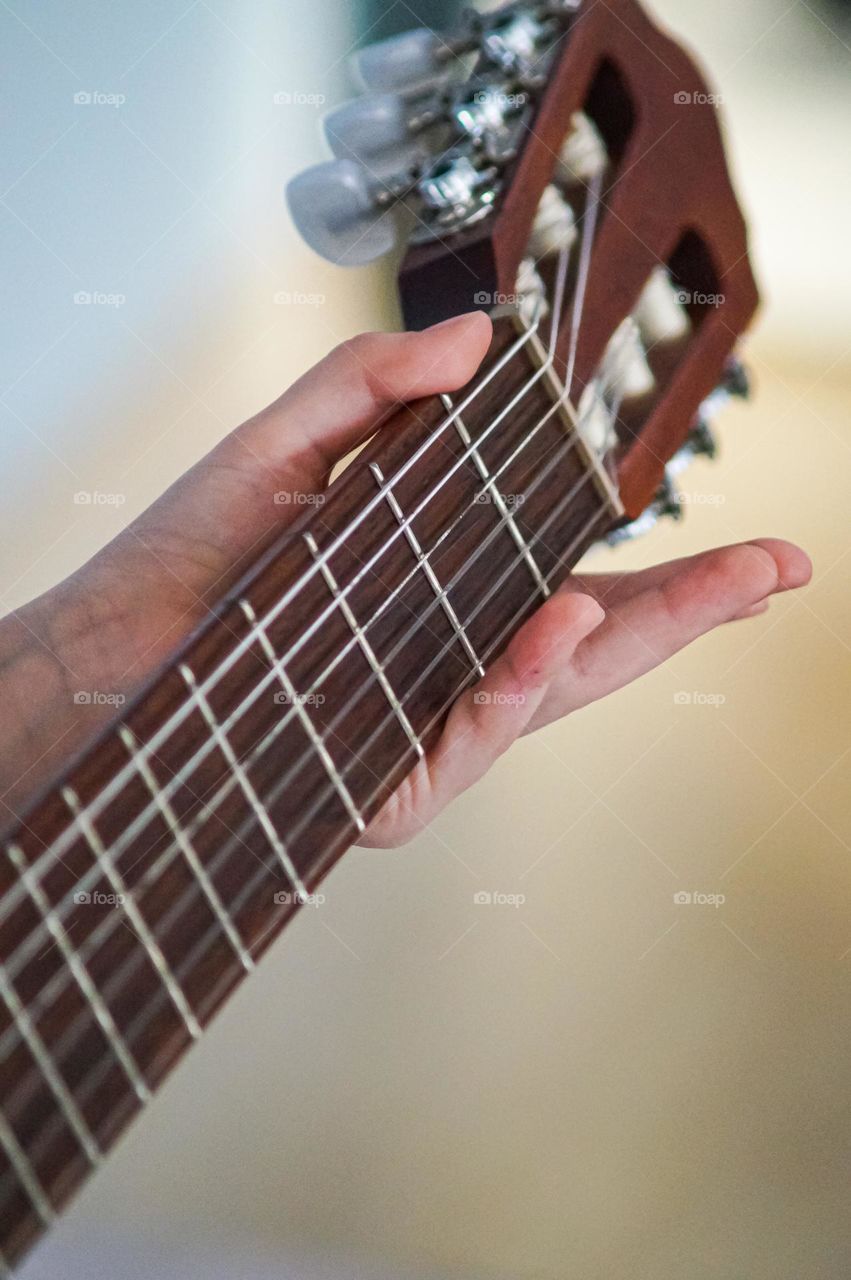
{"x":454,"y":321}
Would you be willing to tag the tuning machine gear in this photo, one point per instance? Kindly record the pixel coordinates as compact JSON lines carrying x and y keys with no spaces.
{"x":735,"y":382}
{"x":443,"y":121}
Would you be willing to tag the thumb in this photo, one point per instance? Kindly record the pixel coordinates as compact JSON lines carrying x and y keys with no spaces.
{"x":227,"y":501}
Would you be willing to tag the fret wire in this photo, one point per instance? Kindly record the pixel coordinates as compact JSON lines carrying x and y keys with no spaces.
{"x":244,"y":781}
{"x":64,"y":839}
{"x":131,"y":910}
{"x":368,"y":651}
{"x":25,"y":1173}
{"x":49,"y":1070}
{"x":61,"y":842}
{"x":493,"y":589}
{"x":425,"y":564}
{"x":596,"y":517}
{"x":81,"y":974}
{"x":224,"y":788}
{"x":186,"y":847}
{"x":499,"y":502}
{"x":304,"y":716}
{"x":249,"y":887}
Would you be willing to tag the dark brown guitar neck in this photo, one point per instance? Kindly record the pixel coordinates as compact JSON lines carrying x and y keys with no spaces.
{"x":147,"y":882}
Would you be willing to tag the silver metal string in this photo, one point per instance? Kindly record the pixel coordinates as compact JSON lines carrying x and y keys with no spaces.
{"x":60,"y":845}
{"x":393,"y":480}
{"x":213,"y":933}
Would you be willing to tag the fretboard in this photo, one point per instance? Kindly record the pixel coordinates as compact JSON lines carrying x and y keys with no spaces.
{"x":147,"y":882}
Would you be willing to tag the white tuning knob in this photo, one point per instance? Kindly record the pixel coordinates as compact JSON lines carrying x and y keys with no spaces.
{"x":583,"y":153}
{"x":406,"y":63}
{"x":554,"y":227}
{"x":660,"y":313}
{"x":374,"y":131}
{"x":625,"y":373}
{"x":335,"y":209}
{"x":595,"y":420}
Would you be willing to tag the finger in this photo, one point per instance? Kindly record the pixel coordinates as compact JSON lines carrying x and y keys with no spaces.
{"x":226,"y":505}
{"x":486,"y":720}
{"x":793,"y":570}
{"x":698,"y":594}
{"x":339,"y":401}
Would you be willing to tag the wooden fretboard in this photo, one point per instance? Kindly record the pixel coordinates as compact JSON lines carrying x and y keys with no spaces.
{"x":147,"y":882}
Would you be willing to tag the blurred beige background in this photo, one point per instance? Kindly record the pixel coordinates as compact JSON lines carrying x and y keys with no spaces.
{"x":600,"y":1082}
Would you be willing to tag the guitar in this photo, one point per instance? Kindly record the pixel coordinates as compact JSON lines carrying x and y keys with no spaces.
{"x":559,"y":165}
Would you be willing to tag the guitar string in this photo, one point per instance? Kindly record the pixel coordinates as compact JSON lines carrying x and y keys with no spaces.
{"x":494,"y":532}
{"x":92,"y":1078}
{"x":66,"y":838}
{"x":141,"y":821}
{"x":62,"y":842}
{"x":479,"y":442}
{"x":260,"y":749}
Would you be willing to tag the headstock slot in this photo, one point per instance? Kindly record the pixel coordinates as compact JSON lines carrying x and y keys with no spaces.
{"x":693,"y":276}
{"x":610,"y":105}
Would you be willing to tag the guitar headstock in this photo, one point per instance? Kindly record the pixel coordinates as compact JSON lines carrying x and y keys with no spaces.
{"x":561,"y":159}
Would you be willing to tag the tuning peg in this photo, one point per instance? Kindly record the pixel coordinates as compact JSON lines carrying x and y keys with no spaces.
{"x":375,"y":131}
{"x":340,"y":215}
{"x":595,"y":420}
{"x":410,"y":62}
{"x":735,"y":383}
{"x":583,"y":153}
{"x":554,"y":227}
{"x":668,"y":503}
{"x":660,"y":312}
{"x":625,"y":372}
{"x":736,"y":379}
{"x":702,"y":442}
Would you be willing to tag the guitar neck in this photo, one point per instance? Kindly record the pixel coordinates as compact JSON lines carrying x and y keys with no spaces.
{"x":205,"y":815}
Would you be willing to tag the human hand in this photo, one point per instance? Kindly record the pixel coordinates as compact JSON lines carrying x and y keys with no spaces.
{"x":118,"y":618}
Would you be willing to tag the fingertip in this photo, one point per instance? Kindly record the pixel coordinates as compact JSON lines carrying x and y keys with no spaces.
{"x":473,"y":322}
{"x":794,"y":566}
{"x":460,"y":344}
{"x":579,"y":614}
{"x":551,"y":636}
